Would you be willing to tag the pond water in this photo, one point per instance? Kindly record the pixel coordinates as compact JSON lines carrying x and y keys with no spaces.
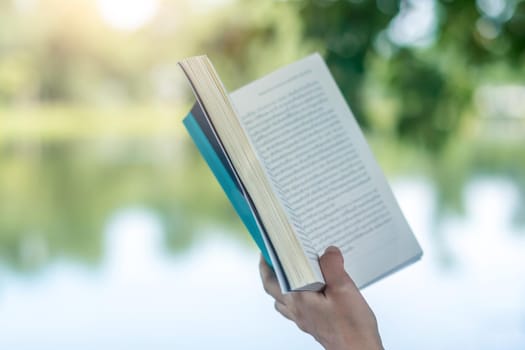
{"x":468,"y":291}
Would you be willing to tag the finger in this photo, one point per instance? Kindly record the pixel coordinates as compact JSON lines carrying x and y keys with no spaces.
{"x":332,"y":266}
{"x":306,"y":298}
{"x":283,"y":310}
{"x":269,"y":280}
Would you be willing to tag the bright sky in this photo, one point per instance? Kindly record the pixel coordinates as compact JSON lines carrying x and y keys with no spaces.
{"x":127,"y":15}
{"x":415,"y":24}
{"x":130,"y":15}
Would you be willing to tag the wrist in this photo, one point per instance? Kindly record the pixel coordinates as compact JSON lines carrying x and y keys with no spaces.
{"x":354,"y":342}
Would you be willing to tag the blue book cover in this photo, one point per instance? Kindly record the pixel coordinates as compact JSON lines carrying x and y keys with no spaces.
{"x":201,"y":132}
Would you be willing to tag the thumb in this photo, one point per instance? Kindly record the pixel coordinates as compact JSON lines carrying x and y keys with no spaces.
{"x":332,"y":266}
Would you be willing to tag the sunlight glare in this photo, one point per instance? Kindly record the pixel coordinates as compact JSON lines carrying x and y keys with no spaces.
{"x":127,"y":15}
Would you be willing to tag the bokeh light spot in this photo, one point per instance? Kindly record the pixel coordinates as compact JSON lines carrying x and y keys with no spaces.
{"x":127,"y":15}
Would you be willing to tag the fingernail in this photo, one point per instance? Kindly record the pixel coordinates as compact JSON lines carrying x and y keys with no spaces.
{"x":332,"y":249}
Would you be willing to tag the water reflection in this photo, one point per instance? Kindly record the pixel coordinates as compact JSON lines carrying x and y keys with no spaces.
{"x":57,"y":196}
{"x":209,"y":295}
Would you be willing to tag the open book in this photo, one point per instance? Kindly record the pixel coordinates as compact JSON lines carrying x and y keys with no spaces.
{"x":296,"y":167}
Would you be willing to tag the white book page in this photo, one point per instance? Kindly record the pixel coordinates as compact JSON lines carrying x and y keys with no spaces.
{"x":323,"y":171}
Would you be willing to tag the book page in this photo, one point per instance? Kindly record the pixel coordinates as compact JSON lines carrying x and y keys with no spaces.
{"x":323,"y":171}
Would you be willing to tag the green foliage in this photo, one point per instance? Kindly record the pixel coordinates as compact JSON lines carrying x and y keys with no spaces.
{"x":432,"y":83}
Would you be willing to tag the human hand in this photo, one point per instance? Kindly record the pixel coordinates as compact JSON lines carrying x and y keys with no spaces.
{"x":337,"y":317}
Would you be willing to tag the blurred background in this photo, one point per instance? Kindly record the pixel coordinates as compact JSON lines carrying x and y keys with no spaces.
{"x":115,"y":235}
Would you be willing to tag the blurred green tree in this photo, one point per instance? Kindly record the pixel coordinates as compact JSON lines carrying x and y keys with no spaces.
{"x":434,"y":54}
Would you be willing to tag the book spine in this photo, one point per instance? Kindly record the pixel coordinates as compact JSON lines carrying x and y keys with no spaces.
{"x":225,"y":179}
